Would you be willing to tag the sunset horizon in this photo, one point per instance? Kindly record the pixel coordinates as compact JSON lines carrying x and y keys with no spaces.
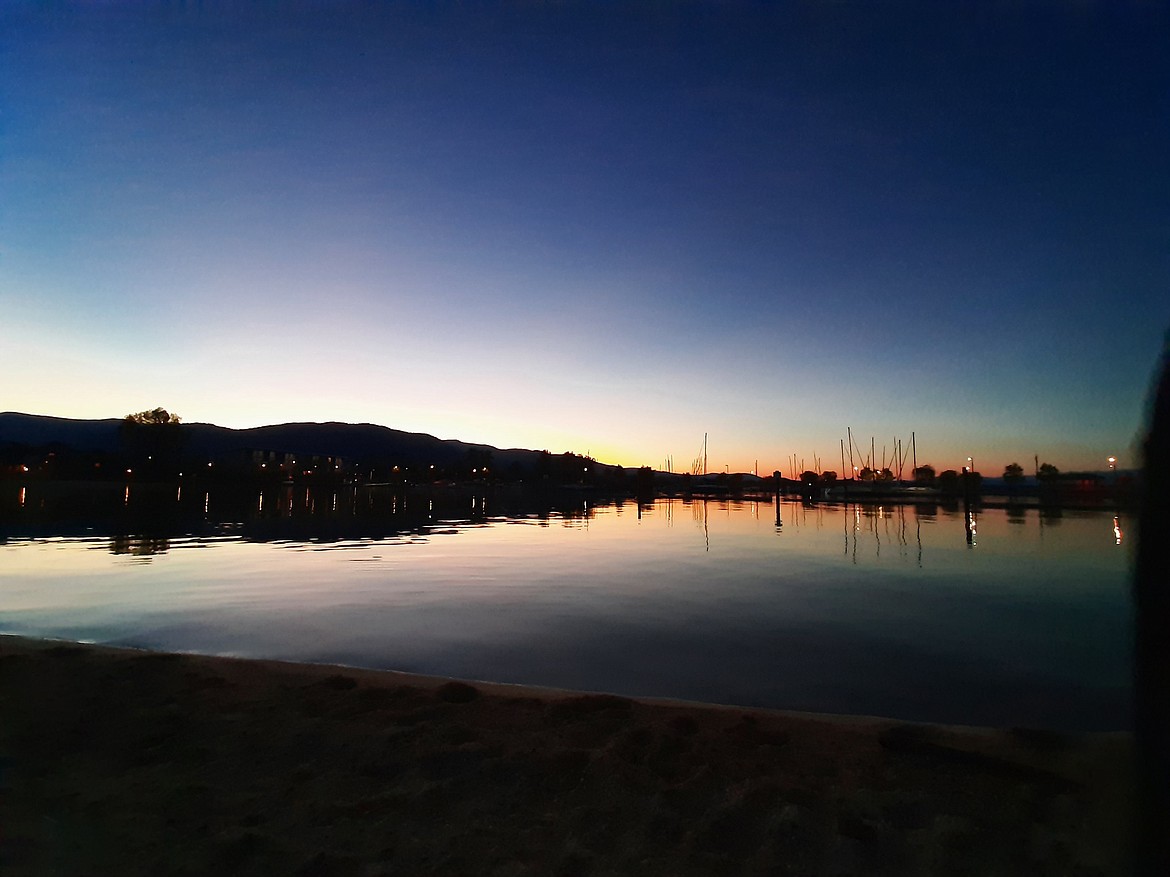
{"x":557,"y":227}
{"x":884,"y":455}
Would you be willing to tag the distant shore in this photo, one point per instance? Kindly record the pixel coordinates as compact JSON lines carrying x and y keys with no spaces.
{"x":118,"y":761}
{"x":989,"y":494}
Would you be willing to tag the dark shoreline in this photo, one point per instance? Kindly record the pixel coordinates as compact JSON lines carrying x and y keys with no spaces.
{"x":126,"y":762}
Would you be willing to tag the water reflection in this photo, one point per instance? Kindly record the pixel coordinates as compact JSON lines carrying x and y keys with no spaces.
{"x":809,"y":605}
{"x":141,"y":519}
{"x":140,"y":546}
{"x":886,"y":525}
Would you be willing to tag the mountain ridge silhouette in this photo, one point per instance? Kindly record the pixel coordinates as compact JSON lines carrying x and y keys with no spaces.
{"x":351,"y":441}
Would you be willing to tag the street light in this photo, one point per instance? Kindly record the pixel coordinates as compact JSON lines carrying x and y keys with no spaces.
{"x":1112,"y":463}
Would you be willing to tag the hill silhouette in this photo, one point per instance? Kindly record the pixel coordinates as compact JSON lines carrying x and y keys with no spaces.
{"x":354,"y":442}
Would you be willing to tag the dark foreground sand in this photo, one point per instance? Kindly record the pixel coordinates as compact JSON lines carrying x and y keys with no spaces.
{"x":124,"y":762}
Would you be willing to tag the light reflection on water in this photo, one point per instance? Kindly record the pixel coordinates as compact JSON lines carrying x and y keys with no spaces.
{"x":883,"y":609}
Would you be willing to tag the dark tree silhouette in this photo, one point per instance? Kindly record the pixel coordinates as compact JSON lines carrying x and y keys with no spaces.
{"x":1047,"y":472}
{"x":948,"y":480}
{"x":644,"y":481}
{"x":155,"y":417}
{"x":1013,"y":473}
{"x":152,"y":441}
{"x":924,"y":474}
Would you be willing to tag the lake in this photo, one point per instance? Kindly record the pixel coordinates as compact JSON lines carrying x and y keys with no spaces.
{"x":1014,"y":616}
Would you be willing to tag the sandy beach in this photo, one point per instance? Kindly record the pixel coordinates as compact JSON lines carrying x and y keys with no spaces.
{"x":125,"y":762}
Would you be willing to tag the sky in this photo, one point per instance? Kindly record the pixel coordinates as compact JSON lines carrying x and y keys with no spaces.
{"x":607,"y":228}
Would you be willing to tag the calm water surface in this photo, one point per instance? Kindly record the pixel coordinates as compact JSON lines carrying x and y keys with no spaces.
{"x":887,"y":610}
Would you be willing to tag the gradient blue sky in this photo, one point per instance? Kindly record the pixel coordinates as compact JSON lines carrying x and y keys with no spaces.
{"x":595,"y":227}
